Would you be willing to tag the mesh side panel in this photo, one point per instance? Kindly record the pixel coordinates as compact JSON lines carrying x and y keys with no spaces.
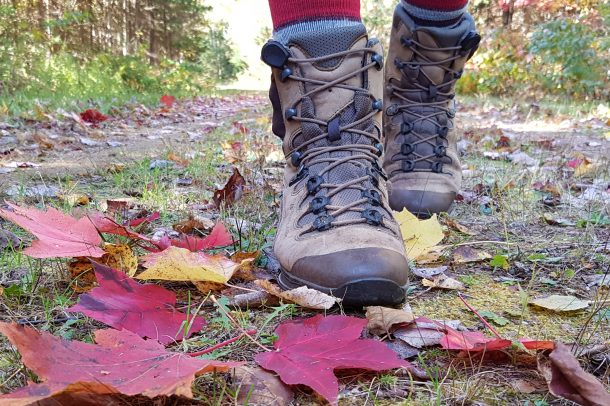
{"x":325,"y":42}
{"x":348,"y":171}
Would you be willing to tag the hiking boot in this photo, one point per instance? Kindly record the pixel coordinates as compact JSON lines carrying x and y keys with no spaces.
{"x":336,"y":232}
{"x":421,"y":157}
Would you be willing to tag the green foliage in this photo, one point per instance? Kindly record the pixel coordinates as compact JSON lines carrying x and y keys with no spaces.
{"x":569,"y":58}
{"x":97,"y":56}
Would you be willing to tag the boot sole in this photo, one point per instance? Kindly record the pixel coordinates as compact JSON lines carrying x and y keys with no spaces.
{"x":359,"y":293}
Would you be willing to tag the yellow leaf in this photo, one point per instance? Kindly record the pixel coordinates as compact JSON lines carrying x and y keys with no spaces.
{"x":179,"y":264}
{"x":121,"y":257}
{"x":420,"y":236}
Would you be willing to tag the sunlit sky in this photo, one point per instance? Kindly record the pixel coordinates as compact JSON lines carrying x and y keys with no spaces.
{"x":246,"y":19}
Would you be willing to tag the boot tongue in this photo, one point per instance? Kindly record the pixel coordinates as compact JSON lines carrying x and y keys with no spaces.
{"x":445,"y":37}
{"x":327,"y":41}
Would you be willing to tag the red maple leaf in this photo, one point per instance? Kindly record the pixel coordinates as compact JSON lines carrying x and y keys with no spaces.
{"x":309,"y":351}
{"x":121,"y":361}
{"x":148,"y":219}
{"x":109,"y":226}
{"x":59,"y":236}
{"x":168,"y":101}
{"x":219,"y":237}
{"x":93,"y":116}
{"x":147,"y":310}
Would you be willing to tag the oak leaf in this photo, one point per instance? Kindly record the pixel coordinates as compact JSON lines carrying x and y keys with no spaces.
{"x":121,"y":361}
{"x":147,"y":310}
{"x":179,"y":264}
{"x":59,"y":235}
{"x":308,"y":352}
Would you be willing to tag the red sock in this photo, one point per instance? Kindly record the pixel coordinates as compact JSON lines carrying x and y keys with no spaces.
{"x":287,"y":12}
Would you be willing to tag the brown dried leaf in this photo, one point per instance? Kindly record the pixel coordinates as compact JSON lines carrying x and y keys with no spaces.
{"x":443,"y":282}
{"x":232,"y":192}
{"x":383,"y":319}
{"x":303,"y":296}
{"x":568,"y":380}
{"x":465,"y":255}
{"x":454,"y":224}
{"x":260,"y":387}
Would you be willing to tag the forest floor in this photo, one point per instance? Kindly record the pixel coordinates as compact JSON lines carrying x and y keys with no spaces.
{"x":532,"y":220}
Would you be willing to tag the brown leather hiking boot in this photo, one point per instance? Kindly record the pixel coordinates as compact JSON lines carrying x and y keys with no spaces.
{"x":421,"y":157}
{"x":336,"y":232}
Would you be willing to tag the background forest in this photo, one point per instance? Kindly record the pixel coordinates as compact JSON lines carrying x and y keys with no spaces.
{"x":75,"y":53}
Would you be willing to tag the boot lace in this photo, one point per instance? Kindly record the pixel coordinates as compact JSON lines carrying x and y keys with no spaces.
{"x":339,"y":144}
{"x":424,"y":104}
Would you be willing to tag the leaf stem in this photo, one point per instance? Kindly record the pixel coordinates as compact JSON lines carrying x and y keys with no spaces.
{"x":236,"y":324}
{"x":220,"y":345}
{"x":472,"y":309}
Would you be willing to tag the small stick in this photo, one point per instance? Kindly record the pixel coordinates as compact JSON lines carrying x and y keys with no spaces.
{"x":493,"y":330}
{"x":220,"y":345}
{"x":236,"y":324}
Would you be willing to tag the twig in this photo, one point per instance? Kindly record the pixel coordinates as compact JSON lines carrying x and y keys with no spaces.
{"x":220,"y":345}
{"x":236,"y":324}
{"x":493,"y":330}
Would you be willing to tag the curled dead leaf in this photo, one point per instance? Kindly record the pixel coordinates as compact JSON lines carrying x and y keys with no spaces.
{"x":466,"y":254}
{"x":303,"y":296}
{"x":260,"y":387}
{"x":232,"y":192}
{"x":443,"y":282}
{"x":381,"y":320}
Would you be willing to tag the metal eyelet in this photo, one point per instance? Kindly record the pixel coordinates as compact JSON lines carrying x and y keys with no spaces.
{"x":379,"y":147}
{"x":323,"y":222}
{"x":313,"y":184}
{"x":451,"y":113}
{"x":392,"y":110}
{"x":440,"y":151}
{"x":443,"y":131}
{"x":406,"y":41}
{"x":296,"y":157}
{"x":285,"y":74}
{"x":406,"y":128}
{"x":378,"y":105}
{"x":372,"y":217}
{"x":407,"y":148}
{"x":378,"y":59}
{"x":302,"y":173}
{"x":318,"y":204}
{"x":408,"y":166}
{"x":290,"y":113}
{"x":373,"y":197}
{"x":437,"y":167}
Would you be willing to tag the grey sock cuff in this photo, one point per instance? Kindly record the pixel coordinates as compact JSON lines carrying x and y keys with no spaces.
{"x":433,"y":15}
{"x":285,"y":33}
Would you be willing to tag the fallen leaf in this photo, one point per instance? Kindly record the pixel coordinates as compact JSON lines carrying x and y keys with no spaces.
{"x":117,"y":256}
{"x":146,"y":219}
{"x":121,"y":361}
{"x":232,"y":192}
{"x":260,"y":387}
{"x":568,"y":380}
{"x":109,"y":226}
{"x":381,"y":320}
{"x":303,"y":296}
{"x":8,"y":240}
{"x":179,"y":264}
{"x":93,"y":116}
{"x":420,"y":236}
{"x":527,"y":387}
{"x":559,"y":303}
{"x":59,"y":235}
{"x":428,"y":273}
{"x":253,"y":300}
{"x":454,"y":224}
{"x":246,"y":271}
{"x":167,"y":100}
{"x":422,"y":333}
{"x":443,"y":282}
{"x":193,"y":225}
{"x":466,"y":255}
{"x":219,"y":237}
{"x":500,"y":261}
{"x":308,"y":352}
{"x":147,"y":310}
{"x":493,"y":317}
